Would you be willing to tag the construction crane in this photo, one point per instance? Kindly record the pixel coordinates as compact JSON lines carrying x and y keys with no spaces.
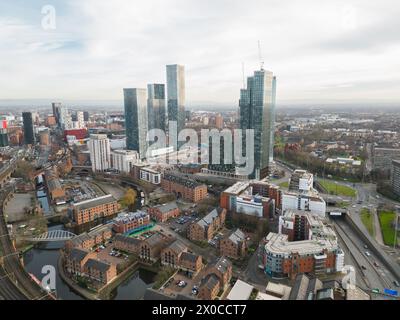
{"x":260,"y":56}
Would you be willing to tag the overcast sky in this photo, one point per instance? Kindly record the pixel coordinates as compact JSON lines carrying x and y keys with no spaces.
{"x":320,"y":51}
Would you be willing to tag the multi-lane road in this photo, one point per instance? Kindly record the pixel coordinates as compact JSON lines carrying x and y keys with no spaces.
{"x":373,"y":271}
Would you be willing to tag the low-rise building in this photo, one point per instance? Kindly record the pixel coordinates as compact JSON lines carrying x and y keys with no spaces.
{"x":127,"y":244}
{"x":150,"y":249}
{"x":315,"y":249}
{"x":100,"y":271}
{"x":240,"y":291}
{"x":190,"y":263}
{"x":209,"y":287}
{"x":93,"y":209}
{"x":171,"y":255}
{"x":301,"y":180}
{"x":234,"y":245}
{"x":131,"y":222}
{"x":163,"y":212}
{"x":184,"y":187}
{"x":88,"y":240}
{"x":83,"y":263}
{"x":255,"y":198}
{"x":205,"y":228}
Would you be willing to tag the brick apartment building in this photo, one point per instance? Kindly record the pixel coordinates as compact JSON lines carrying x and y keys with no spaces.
{"x":217,"y":278}
{"x":205,"y":228}
{"x":234,"y":245}
{"x":170,"y":256}
{"x":92,"y":209}
{"x":127,"y":244}
{"x":81,"y":262}
{"x":88,"y":240}
{"x":163,"y":212}
{"x":150,"y":248}
{"x":130,"y":222}
{"x":305,"y":244}
{"x":183,"y":187}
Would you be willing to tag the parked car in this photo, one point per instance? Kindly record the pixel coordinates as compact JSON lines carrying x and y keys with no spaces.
{"x":376,"y":264}
{"x":363,"y":267}
{"x":396,"y":283}
{"x":367,"y":254}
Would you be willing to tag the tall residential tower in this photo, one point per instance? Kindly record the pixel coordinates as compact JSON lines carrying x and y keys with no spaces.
{"x":136,"y":120}
{"x":257,"y":112}
{"x":156,"y":106}
{"x":176,"y":95}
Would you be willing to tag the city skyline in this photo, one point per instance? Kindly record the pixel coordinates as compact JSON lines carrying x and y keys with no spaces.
{"x":322,"y":55}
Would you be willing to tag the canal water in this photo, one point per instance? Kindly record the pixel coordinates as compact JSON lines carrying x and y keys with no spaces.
{"x":48,"y":254}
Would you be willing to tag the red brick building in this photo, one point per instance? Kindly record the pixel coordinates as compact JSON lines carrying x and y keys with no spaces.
{"x":234,"y":245}
{"x":132,"y":221}
{"x":163,"y":212}
{"x":92,"y":209}
{"x":183,"y":187}
{"x":205,"y":228}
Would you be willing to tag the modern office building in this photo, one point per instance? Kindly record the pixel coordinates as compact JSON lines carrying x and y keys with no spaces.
{"x":396,"y":177}
{"x":99,"y":147}
{"x":136,"y":120}
{"x":156,"y":106}
{"x":176,"y":97}
{"x":29,"y":135}
{"x":257,"y":112}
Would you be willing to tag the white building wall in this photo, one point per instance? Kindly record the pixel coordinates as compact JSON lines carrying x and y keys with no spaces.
{"x":99,"y":147}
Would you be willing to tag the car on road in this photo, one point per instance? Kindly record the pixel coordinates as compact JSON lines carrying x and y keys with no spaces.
{"x":367,"y":254}
{"x":396,"y":283}
{"x":363,"y":267}
{"x":365,"y":246}
{"x":376,"y":264}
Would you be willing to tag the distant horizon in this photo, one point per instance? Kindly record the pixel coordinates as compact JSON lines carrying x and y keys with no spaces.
{"x":31,"y":104}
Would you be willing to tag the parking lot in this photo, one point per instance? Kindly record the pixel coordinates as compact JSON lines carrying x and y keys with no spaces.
{"x":105,"y":255}
{"x":180,"y":224}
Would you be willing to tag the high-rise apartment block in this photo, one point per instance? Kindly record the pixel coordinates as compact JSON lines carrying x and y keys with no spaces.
{"x":136,"y":120}
{"x":257,"y":112}
{"x":156,"y":106}
{"x":99,"y":147}
{"x":29,"y":135}
{"x":176,"y":97}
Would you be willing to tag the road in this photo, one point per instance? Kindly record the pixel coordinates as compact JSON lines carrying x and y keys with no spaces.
{"x":375,"y":276}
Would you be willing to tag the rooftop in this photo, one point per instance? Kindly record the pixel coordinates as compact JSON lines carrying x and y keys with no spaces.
{"x":130,"y":216}
{"x":279,"y":244}
{"x":240,"y":291}
{"x":98,"y":265}
{"x":90,"y":203}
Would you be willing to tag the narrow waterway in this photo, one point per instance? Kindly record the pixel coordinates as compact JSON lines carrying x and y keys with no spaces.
{"x":49,"y":253}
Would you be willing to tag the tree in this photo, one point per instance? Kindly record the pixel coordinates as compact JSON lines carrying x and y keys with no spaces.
{"x":24,"y":170}
{"x":129,"y":199}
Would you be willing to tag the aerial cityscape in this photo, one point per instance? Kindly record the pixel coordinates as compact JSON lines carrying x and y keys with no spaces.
{"x":156,"y":192}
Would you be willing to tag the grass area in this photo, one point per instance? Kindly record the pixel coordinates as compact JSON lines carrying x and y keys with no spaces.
{"x":284,"y":184}
{"x":386,"y":219}
{"x":368,"y":221}
{"x":338,"y":189}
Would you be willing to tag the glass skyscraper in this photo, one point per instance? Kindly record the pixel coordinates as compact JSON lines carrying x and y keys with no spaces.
{"x":176,"y":95}
{"x":257,"y":111}
{"x":136,"y":120}
{"x":156,"y":106}
{"x":29,"y":135}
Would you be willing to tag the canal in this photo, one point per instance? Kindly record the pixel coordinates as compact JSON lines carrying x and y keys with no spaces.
{"x":48,"y":254}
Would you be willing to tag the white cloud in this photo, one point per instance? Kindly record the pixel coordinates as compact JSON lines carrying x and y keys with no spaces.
{"x":319,"y":50}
